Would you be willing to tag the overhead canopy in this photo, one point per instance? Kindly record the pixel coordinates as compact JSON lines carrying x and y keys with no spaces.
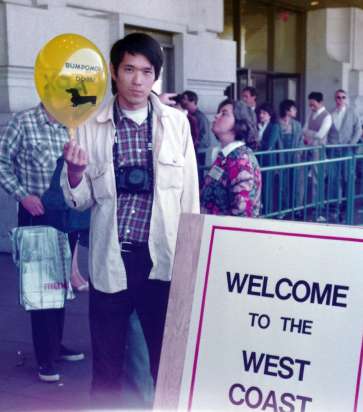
{"x":314,"y":4}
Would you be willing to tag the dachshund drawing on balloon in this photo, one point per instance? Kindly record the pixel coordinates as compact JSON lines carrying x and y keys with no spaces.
{"x":77,"y":99}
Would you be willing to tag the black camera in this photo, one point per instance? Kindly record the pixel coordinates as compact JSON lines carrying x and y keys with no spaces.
{"x":133,"y":179}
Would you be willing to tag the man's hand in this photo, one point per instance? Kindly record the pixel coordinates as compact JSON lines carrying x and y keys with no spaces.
{"x":308,"y":137}
{"x":166,"y":98}
{"x":33,"y":205}
{"x":77,"y":161}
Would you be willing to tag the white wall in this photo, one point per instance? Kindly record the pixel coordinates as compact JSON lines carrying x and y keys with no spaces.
{"x":323,"y":73}
{"x":203,"y":62}
{"x":335,"y":54}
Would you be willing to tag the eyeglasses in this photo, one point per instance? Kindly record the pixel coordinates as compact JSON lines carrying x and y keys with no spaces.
{"x":340,"y":97}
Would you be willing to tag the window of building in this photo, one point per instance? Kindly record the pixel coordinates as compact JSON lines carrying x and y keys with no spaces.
{"x":285,"y":41}
{"x":254,"y":35}
{"x":268,"y":37}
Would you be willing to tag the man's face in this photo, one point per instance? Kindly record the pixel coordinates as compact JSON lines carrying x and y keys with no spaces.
{"x":248,"y":98}
{"x":188,"y":104}
{"x":340,"y":99}
{"x":134,"y":79}
{"x":315,"y":105}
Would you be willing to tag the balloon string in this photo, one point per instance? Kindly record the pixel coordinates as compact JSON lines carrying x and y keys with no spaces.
{"x":72,"y":133}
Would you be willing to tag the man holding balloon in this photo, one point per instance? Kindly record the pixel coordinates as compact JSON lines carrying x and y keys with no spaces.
{"x":134,"y":165}
{"x":29,"y":148}
{"x":70,"y":77}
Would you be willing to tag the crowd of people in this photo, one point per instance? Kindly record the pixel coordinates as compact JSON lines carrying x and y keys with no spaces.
{"x":133,"y":229}
{"x":274,"y":132}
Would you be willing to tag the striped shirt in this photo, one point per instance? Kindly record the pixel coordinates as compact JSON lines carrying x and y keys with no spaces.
{"x":30,"y":145}
{"x":133,"y":210}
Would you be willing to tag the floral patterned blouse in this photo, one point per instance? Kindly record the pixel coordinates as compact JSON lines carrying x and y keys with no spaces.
{"x":233,"y":184}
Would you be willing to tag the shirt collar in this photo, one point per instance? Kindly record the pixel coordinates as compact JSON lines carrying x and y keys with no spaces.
{"x":106,"y":114}
{"x":41,"y":115}
{"x":316,"y":114}
{"x":342,"y":110}
{"x":231,"y":146}
{"x":262,"y":126}
{"x":43,"y":119}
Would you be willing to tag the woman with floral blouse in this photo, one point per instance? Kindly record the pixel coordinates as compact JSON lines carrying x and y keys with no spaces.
{"x":233,"y":184}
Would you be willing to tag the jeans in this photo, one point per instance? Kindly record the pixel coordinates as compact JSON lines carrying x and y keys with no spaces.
{"x":109,"y":320}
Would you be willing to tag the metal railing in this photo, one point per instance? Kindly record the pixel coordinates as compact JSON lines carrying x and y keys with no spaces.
{"x":320,"y":183}
{"x":316,"y":183}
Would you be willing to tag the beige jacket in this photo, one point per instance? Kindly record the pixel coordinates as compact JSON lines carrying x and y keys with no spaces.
{"x":175,"y":191}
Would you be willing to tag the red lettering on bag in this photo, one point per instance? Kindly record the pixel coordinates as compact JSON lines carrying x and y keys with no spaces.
{"x":55,"y":285}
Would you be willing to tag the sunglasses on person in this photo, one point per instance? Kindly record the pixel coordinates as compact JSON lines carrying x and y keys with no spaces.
{"x":340,"y":97}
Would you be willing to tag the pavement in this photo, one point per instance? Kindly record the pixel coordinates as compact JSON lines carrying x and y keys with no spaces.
{"x":20,"y":388}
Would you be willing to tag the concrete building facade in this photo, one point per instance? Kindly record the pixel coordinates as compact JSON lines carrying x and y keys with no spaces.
{"x":334,"y":53}
{"x":201,"y":49}
{"x":201,"y":61}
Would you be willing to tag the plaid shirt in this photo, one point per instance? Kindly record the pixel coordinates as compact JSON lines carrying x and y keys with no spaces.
{"x":29,"y":148}
{"x":133,"y":210}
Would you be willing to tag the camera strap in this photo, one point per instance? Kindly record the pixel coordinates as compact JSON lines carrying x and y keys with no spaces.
{"x":117,"y":114}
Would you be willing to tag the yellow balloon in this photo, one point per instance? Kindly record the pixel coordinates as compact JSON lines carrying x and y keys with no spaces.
{"x":71,"y":78}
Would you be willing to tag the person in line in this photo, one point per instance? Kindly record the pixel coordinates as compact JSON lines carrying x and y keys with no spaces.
{"x":291,"y":138}
{"x":134,"y":138}
{"x":315,"y":132}
{"x":345,"y":130}
{"x":193,"y":121}
{"x":189,"y":102}
{"x":291,"y":129}
{"x":30,"y":146}
{"x":233,"y":184}
{"x":249,"y":96}
{"x":269,"y":140}
{"x":268,"y":130}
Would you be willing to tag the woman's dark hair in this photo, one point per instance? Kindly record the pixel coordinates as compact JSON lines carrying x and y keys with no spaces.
{"x":285,"y":106}
{"x":266,"y":107}
{"x":136,"y":43}
{"x":244,"y":127}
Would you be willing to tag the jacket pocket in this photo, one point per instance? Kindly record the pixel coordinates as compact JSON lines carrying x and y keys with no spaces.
{"x":102,"y":182}
{"x":170,"y":171}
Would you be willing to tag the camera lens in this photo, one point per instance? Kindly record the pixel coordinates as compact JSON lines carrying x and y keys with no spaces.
{"x":136,"y":177}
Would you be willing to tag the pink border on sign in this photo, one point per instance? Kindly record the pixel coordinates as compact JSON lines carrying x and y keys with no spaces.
{"x":268,"y":232}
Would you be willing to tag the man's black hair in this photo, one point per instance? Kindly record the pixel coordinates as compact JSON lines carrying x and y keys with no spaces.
{"x":136,"y":43}
{"x":191,"y":96}
{"x":251,"y":90}
{"x":318,"y":96}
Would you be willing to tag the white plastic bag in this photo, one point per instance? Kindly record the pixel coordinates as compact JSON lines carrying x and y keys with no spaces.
{"x":43,"y":259}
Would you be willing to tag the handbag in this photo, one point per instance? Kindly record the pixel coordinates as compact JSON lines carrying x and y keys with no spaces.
{"x":43,"y":260}
{"x":57,"y":213}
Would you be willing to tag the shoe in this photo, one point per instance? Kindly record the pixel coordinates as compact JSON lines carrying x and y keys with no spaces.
{"x":334,"y":218}
{"x":83,"y":288}
{"x":299,"y":215}
{"x":70,"y":355}
{"x":48,"y":374}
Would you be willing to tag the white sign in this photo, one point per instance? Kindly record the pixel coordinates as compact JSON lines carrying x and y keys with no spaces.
{"x":277,"y":318}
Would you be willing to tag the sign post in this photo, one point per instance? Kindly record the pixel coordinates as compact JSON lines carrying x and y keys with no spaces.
{"x":264,"y":315}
